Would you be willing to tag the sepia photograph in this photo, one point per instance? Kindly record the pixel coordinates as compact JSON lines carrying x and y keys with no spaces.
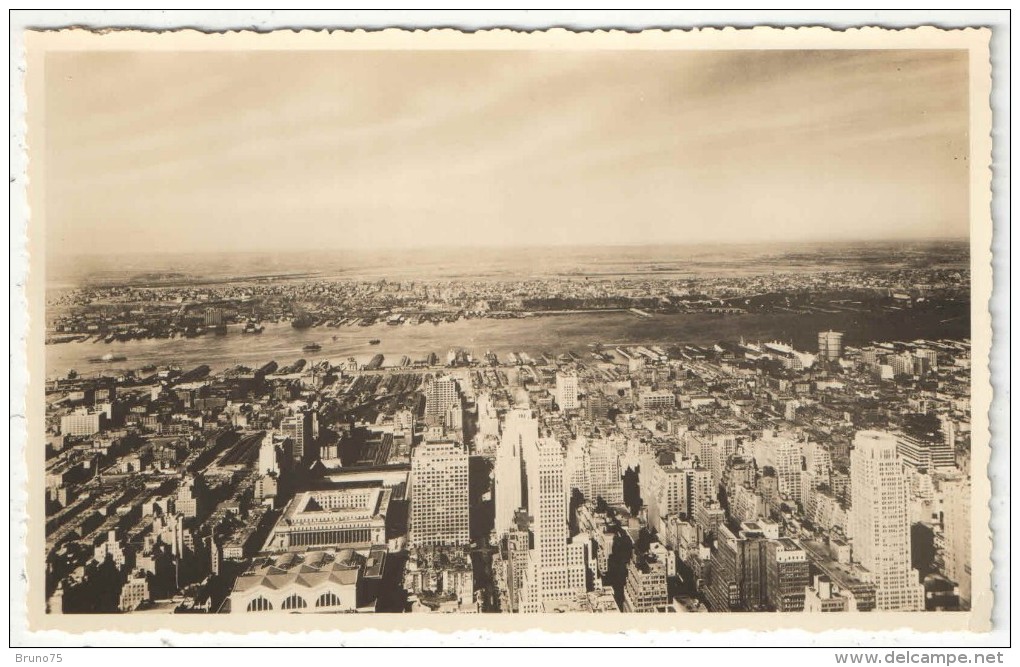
{"x":442,"y":329}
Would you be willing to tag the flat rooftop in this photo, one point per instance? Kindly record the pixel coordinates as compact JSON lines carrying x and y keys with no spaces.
{"x":788,"y":545}
{"x":845,"y":575}
{"x":340,"y":504}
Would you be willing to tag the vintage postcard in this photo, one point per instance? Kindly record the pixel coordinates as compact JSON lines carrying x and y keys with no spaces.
{"x":667,"y":330}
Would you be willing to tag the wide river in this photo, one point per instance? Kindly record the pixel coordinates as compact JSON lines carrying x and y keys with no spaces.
{"x":551,"y":333}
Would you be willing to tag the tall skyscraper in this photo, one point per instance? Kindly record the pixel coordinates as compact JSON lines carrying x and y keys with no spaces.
{"x":566,"y":391}
{"x":519,"y":430}
{"x":556,"y":567}
{"x":269,"y":456}
{"x":576,"y":467}
{"x":699,"y":487}
{"x":880,"y":521}
{"x":604,"y":471}
{"x":518,"y":546}
{"x":784,"y":453}
{"x":787,"y":574}
{"x":298,"y":428}
{"x":191,"y":496}
{"x":439,"y":495}
{"x":593,"y":468}
{"x":956,"y":529}
{"x":441,"y":394}
{"x":488,"y":418}
{"x":830,"y":345}
{"x":664,"y":490}
{"x":596,"y":406}
{"x":736,"y":576}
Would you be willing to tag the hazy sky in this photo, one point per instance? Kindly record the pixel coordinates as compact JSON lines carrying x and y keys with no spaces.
{"x":290,"y":151}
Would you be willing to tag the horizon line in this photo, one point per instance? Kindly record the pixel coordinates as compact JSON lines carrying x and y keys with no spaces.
{"x":522,"y":246}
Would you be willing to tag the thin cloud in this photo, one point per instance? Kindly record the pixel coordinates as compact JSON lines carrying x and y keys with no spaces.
{"x":287,"y":151}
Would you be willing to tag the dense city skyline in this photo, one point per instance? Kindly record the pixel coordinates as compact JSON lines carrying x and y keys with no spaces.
{"x":183,"y":152}
{"x":640,"y":441}
{"x":401,"y":330}
{"x":507,"y":332}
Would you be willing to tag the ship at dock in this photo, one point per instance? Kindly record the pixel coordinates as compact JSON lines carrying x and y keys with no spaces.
{"x":107,"y":358}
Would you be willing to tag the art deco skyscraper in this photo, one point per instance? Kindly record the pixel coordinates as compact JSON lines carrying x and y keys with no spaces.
{"x":556,"y":566}
{"x":519,"y":430}
{"x":439,"y":495}
{"x":566,"y":391}
{"x":880,"y":521}
{"x":441,"y":394}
